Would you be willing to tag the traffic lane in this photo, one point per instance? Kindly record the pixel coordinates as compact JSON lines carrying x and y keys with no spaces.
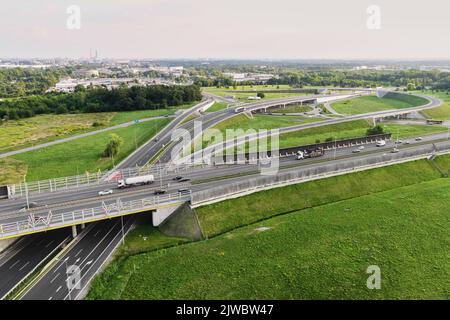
{"x":291,"y":164}
{"x":83,"y":255}
{"x":144,"y":153}
{"x":143,"y":157}
{"x":32,"y":251}
{"x":198,"y":173}
{"x":90,"y":203}
{"x":101,"y":256}
{"x":207,"y":122}
{"x":16,"y":204}
{"x":210,"y":172}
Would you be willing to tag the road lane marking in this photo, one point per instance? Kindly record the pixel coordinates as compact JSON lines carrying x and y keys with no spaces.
{"x":78,"y":252}
{"x":50,"y":298}
{"x":59,"y":288}
{"x":24,"y":265}
{"x":51,"y":281}
{"x":49,"y":243}
{"x":61,"y":264}
{"x":12,"y":266}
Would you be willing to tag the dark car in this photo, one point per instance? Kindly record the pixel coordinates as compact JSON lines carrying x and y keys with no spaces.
{"x":184,"y":180}
{"x":157,"y":192}
{"x":178,"y":178}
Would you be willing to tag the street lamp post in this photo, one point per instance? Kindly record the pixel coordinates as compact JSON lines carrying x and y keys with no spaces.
{"x":335,"y":148}
{"x":123,"y":232}
{"x":26,"y":192}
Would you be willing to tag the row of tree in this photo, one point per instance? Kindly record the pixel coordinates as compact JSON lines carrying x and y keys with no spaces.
{"x":347,"y":78}
{"x":99,"y":99}
{"x":19,"y":82}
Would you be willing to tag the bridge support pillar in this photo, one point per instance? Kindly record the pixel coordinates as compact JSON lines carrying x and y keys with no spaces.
{"x":162,"y":214}
{"x":83,"y":226}
{"x":74,"y":231}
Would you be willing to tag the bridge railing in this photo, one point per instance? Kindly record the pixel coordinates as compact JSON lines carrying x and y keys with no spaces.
{"x":89,"y":179}
{"x":255,"y":184}
{"x":36,"y":222}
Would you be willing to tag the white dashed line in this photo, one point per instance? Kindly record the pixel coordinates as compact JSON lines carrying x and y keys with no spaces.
{"x":49,"y":243}
{"x":12,"y":266}
{"x":78,"y":253}
{"x":24,"y":265}
{"x":51,"y":281}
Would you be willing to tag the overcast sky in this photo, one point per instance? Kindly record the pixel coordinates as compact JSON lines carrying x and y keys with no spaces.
{"x":294,"y":29}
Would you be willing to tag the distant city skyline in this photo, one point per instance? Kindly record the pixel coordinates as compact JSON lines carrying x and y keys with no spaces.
{"x":250,"y":29}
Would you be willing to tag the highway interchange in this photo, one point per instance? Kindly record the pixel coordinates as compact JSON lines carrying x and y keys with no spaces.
{"x":95,"y":244}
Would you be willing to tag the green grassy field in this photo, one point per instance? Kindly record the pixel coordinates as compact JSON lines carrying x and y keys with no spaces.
{"x":228,"y":215}
{"x":122,"y":117}
{"x":439,"y":113}
{"x":217,"y":106}
{"x":291,"y":109}
{"x":262,"y":122}
{"x":372,"y":103}
{"x":18,"y":134}
{"x":316,"y":253}
{"x":11,"y":171}
{"x":352,"y":129}
{"x":85,"y":154}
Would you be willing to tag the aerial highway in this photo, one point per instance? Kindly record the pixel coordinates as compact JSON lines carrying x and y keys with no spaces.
{"x":202,"y":178}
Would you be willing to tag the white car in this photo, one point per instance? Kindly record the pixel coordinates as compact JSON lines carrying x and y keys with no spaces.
{"x":105,"y":192}
{"x":419,"y":139}
{"x":361,"y":148}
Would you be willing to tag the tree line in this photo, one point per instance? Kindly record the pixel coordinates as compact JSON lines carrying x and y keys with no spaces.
{"x":100,"y":99}
{"x":416,"y":79}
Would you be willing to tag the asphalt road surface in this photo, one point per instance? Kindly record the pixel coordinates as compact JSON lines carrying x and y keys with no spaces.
{"x":81,"y":263}
{"x":25,"y":254}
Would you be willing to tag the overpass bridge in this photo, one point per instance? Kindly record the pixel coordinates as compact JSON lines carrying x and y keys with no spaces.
{"x":315,"y":99}
{"x":42,"y":221}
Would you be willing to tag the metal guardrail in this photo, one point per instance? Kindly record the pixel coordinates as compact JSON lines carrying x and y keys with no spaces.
{"x":36,"y":222}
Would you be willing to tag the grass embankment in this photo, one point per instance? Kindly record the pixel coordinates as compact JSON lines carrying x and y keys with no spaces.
{"x":260,"y":121}
{"x":291,"y":109}
{"x":319,"y":247}
{"x":373,"y":103}
{"x":224,"y":216}
{"x":84,"y":154}
{"x":439,"y":113}
{"x":217,"y":106}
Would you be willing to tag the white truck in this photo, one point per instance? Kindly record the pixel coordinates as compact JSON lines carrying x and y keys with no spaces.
{"x":134,"y":181}
{"x":381,"y":143}
{"x":314,"y":153}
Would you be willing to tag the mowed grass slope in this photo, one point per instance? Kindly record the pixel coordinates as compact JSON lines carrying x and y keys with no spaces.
{"x":442,"y":112}
{"x":318,"y":245}
{"x":85,"y":154}
{"x":372,"y":103}
{"x":316,"y":253}
{"x":228,"y":215}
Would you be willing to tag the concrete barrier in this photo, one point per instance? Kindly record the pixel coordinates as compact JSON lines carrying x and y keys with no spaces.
{"x":4,"y":244}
